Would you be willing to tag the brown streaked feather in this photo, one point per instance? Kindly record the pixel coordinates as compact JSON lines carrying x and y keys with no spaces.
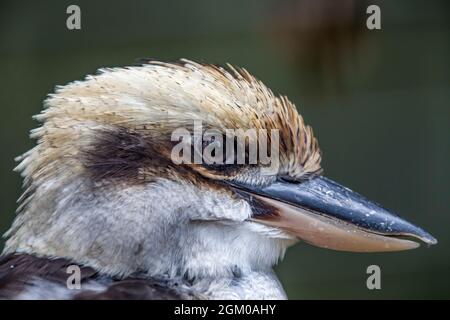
{"x":157,"y":98}
{"x":132,"y":289}
{"x":19,"y":271}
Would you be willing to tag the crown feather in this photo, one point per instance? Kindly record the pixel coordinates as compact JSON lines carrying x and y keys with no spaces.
{"x":154,"y":99}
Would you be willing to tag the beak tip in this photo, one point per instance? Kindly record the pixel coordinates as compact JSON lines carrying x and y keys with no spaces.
{"x":425,"y":237}
{"x":430,"y":240}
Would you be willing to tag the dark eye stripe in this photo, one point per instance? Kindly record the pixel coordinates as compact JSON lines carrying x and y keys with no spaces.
{"x":121,"y":153}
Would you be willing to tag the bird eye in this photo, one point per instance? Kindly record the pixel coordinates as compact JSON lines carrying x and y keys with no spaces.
{"x":207,"y":140}
{"x":218,"y":149}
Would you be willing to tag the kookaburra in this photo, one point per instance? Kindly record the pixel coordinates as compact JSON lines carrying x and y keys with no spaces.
{"x":102,"y":193}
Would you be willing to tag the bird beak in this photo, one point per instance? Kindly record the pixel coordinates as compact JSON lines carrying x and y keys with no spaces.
{"x":326,"y":214}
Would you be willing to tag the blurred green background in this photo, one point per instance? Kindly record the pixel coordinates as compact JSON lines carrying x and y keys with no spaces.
{"x":379,"y":102}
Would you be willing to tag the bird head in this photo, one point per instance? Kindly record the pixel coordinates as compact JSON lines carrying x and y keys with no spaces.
{"x":106,"y":185}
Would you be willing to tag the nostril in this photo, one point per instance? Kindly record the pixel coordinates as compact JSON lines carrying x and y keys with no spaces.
{"x":289,"y":179}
